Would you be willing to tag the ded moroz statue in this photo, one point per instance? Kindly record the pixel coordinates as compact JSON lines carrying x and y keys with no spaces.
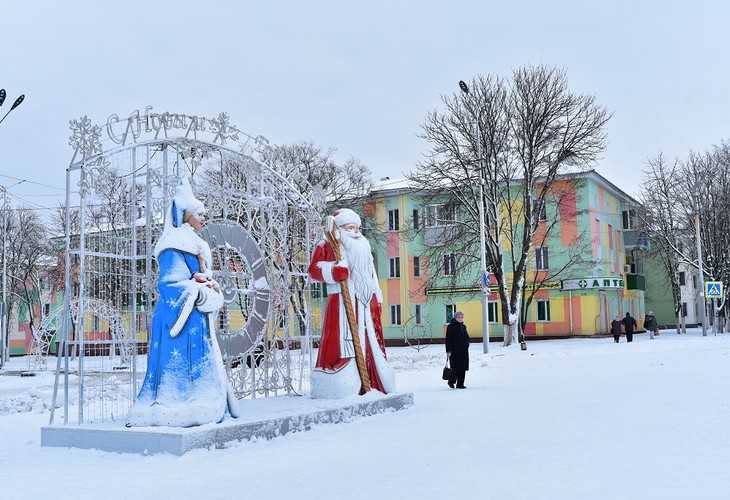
{"x":351,"y":358}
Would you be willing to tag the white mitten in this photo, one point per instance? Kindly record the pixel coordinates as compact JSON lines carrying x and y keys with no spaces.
{"x":209,"y":300}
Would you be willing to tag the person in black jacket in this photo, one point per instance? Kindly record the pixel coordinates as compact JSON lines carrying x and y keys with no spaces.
{"x":457,"y":349}
{"x":629,"y":325}
{"x":616,"y":325}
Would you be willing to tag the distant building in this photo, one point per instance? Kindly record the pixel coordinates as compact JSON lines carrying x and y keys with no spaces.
{"x":659,"y":291}
{"x":591,"y":216}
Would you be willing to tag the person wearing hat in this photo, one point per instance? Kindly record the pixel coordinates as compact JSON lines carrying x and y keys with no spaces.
{"x":186,"y":382}
{"x":650,"y":325}
{"x":616,"y":325}
{"x":457,"y":349}
{"x":629,"y":326}
{"x":335,"y":374}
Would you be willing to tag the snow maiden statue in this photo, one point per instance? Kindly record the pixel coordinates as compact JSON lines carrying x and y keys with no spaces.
{"x":186,"y":382}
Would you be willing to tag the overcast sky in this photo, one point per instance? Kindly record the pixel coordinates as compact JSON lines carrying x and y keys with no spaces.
{"x":356,"y":76}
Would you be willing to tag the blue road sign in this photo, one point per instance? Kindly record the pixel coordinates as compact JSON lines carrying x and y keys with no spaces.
{"x":713,"y":289}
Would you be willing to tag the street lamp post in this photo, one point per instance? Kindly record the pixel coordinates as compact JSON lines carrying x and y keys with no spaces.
{"x":696,"y":197}
{"x":482,"y":235}
{"x":4,"y":344}
{"x":4,"y":341}
{"x":17,"y":102}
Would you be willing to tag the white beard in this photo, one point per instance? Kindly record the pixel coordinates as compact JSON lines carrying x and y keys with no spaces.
{"x":360,"y":261}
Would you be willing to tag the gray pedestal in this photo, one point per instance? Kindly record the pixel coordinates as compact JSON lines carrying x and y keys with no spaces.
{"x":147,"y":440}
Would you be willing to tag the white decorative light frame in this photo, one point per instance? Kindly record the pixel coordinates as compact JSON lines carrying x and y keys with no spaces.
{"x":262,"y":230}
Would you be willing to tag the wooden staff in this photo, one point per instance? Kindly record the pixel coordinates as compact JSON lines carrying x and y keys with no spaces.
{"x":359,"y":358}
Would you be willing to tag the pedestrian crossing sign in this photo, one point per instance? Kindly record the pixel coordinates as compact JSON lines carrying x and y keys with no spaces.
{"x":713,"y":289}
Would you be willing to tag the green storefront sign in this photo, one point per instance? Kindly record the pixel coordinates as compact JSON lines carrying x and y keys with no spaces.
{"x":592,"y":283}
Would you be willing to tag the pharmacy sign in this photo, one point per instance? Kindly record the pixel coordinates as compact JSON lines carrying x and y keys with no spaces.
{"x":591,"y":283}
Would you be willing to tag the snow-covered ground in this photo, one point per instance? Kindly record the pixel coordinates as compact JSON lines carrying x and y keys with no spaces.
{"x":566,"y":419}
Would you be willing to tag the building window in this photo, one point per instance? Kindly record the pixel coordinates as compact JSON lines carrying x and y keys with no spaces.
{"x":46,"y":309}
{"x":684,"y":309}
{"x":449,"y":264}
{"x":543,"y":310}
{"x":416,"y":223}
{"x":682,"y":278}
{"x":416,"y":266}
{"x":492,"y":311}
{"x":541,"y":258}
{"x":95,"y":323}
{"x":394,"y":264}
{"x":694,"y":281}
{"x":629,"y":219}
{"x":394,"y":315}
{"x":440,"y":215}
{"x":539,"y":213}
{"x":634,"y":262}
{"x":450,"y":310}
{"x":418,"y":317}
{"x":393,"y":224}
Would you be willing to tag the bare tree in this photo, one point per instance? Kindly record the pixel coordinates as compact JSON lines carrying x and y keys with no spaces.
{"x":314,"y":164}
{"x":673,"y":196}
{"x":666,"y":224}
{"x":27,"y":248}
{"x":513,"y":138}
{"x":711,"y":186}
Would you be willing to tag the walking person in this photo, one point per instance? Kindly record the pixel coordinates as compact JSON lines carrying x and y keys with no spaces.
{"x":629,"y":325}
{"x":650,"y":325}
{"x":616,"y":325}
{"x":457,"y":349}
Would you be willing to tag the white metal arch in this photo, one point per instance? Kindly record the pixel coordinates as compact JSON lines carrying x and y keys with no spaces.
{"x":261,"y":234}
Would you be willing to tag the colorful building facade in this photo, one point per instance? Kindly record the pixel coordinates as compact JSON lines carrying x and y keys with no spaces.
{"x":585,"y":269}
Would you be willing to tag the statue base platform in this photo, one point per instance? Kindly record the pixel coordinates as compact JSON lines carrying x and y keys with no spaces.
{"x":291,"y":414}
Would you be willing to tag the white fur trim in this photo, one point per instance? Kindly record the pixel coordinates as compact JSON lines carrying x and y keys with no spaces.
{"x":346,"y":216}
{"x":347,"y":348}
{"x":336,"y":384}
{"x":185,"y":311}
{"x":326,"y":268}
{"x":385,"y":371}
{"x":225,"y":383}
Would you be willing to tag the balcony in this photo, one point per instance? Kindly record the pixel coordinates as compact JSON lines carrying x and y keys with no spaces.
{"x":636,"y":239}
{"x":635,"y":282}
{"x":439,"y":235}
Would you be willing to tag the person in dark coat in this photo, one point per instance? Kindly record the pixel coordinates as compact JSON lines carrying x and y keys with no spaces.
{"x":457,"y":349}
{"x":629,"y":325}
{"x":650,"y":325}
{"x":616,"y":325}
